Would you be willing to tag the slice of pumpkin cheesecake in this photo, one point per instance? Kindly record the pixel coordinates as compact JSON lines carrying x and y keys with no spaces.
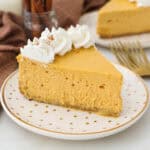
{"x":81,"y":78}
{"x":123,"y":17}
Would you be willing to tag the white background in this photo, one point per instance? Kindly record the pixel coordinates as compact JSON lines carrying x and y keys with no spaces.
{"x":14,"y":6}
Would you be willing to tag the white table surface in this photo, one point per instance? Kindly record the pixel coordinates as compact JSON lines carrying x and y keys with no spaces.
{"x":137,"y":137}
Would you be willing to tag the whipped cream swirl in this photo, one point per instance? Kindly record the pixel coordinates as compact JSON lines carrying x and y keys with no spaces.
{"x":62,"y":42}
{"x":38,"y":51}
{"x":57,"y":42}
{"x":80,"y":36}
{"x":141,"y":3}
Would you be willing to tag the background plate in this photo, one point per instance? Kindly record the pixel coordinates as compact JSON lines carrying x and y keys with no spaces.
{"x":63,"y":123}
{"x":91,"y":19}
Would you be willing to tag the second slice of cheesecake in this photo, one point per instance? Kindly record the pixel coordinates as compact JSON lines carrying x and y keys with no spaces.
{"x":122,"y":17}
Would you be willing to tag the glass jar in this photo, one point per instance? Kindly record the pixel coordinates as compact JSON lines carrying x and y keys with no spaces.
{"x":38,"y":14}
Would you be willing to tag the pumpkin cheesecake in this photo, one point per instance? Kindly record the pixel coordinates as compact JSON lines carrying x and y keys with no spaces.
{"x":80,"y":77}
{"x":123,"y":17}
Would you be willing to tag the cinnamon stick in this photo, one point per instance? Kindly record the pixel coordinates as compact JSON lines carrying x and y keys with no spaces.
{"x":45,"y":17}
{"x":48,"y":5}
{"x":39,"y":10}
{"x":27,"y":5}
{"x":36,"y":7}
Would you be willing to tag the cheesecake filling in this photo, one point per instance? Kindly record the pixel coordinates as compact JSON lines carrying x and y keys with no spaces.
{"x":57,"y":42}
{"x":142,"y":3}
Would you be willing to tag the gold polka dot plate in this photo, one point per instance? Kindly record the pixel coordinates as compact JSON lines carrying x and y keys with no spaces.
{"x":63,"y":123}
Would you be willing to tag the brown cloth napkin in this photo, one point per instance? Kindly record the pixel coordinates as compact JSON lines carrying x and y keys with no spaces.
{"x":12,"y":33}
{"x":12,"y":36}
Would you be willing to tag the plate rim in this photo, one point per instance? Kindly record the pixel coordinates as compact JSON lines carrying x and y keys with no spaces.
{"x":74,"y":136}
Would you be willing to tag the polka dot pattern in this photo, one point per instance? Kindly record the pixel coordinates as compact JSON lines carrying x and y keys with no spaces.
{"x":66,"y":120}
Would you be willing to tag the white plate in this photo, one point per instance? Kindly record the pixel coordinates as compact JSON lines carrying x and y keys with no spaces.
{"x":63,"y":123}
{"x":91,"y":19}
